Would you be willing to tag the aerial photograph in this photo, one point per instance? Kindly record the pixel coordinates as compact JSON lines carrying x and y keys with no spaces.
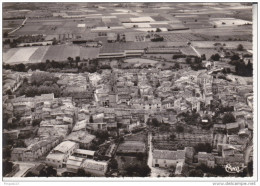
{"x":127,"y":90}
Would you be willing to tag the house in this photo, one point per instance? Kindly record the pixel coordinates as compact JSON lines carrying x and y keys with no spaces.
{"x":96,"y":126}
{"x":219,"y":128}
{"x":83,"y":138}
{"x":95,"y":168}
{"x":167,"y":158}
{"x":12,"y":134}
{"x":37,"y":169}
{"x":181,"y":168}
{"x":206,"y":159}
{"x":74,"y":163}
{"x":232,"y":128}
{"x":89,"y":154}
{"x":80,"y":125}
{"x":17,"y":154}
{"x":59,"y":155}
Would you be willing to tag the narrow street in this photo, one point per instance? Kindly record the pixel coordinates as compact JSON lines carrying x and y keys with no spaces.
{"x":155,"y":171}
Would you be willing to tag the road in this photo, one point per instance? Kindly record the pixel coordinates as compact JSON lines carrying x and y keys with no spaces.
{"x":198,"y":54}
{"x":155,"y":171}
{"x":24,"y":167}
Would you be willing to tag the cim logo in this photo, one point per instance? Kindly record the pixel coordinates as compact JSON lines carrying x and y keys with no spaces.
{"x":236,"y":169}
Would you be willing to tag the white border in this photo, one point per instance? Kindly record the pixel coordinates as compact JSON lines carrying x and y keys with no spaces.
{"x":176,"y":180}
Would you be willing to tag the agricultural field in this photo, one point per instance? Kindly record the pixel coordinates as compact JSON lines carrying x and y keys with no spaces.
{"x":140,"y":61}
{"x":21,"y":55}
{"x":207,"y":51}
{"x":9,"y":25}
{"x":227,"y":44}
{"x":38,"y":55}
{"x":188,"y":51}
{"x":180,"y":37}
{"x":42,"y":53}
{"x":222,"y":22}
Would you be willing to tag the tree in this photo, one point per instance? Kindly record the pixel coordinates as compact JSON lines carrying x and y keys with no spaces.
{"x":250,"y":168}
{"x":188,"y":60}
{"x":138,"y":170}
{"x":203,"y":147}
{"x":20,"y":67}
{"x":50,"y":171}
{"x":113,"y":164}
{"x":70,"y":60}
{"x":179,"y":129}
{"x":77,"y":60}
{"x":91,"y":119}
{"x":228,"y":118}
{"x":155,"y":122}
{"x":240,"y":47}
{"x":172,"y":137}
{"x":5,"y":34}
{"x":215,"y":57}
{"x":235,"y":57}
{"x":158,"y":30}
{"x":7,"y":167}
{"x":81,"y":173}
{"x":203,"y":57}
{"x":36,"y":122}
{"x":195,"y":173}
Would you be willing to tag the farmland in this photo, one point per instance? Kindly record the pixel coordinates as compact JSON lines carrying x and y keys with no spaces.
{"x":42,"y":53}
{"x":68,"y":23}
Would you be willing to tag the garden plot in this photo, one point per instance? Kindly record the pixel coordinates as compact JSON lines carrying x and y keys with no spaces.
{"x":228,"y":21}
{"x":22,"y":55}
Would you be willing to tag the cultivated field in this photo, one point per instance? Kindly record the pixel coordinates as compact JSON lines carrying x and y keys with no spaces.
{"x":140,"y":60}
{"x":20,"y":55}
{"x":42,"y":53}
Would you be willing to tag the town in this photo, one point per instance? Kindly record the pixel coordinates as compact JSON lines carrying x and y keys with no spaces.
{"x":127,"y":90}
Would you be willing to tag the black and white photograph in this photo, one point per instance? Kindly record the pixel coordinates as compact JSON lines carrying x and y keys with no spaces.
{"x":125,"y":91}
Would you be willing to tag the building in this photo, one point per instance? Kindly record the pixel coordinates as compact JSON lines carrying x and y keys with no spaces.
{"x":89,"y":154}
{"x":74,"y":163}
{"x":59,"y":155}
{"x":207,"y":159}
{"x":95,"y":168}
{"x":83,"y":138}
{"x":167,"y":158}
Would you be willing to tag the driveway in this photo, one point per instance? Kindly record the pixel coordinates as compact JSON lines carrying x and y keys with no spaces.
{"x":155,"y":171}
